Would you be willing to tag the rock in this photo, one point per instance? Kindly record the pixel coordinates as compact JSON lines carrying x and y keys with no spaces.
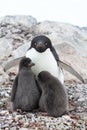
{"x":4,"y":112}
{"x":18,"y":19}
{"x":5,"y":47}
{"x":23,"y":129}
{"x":21,"y":50}
{"x":4,"y":126}
{"x":64,"y":33}
{"x":69,"y":55}
{"x":18,"y":117}
{"x":14,"y":31}
{"x":13,"y":128}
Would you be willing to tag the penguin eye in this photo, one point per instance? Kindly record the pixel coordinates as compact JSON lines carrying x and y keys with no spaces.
{"x":35,"y":43}
{"x":46,"y":43}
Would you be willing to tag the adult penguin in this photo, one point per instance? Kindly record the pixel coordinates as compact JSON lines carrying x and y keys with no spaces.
{"x":44,"y":55}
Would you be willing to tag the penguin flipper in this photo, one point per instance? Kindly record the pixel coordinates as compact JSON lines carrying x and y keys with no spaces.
{"x":55,"y":53}
{"x":14,"y":88}
{"x":12,"y":63}
{"x":71,"y":70}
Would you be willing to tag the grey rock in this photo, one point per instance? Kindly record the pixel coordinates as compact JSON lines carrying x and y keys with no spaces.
{"x":13,"y":128}
{"x":5,"y":47}
{"x":18,"y":19}
{"x":70,"y":55}
{"x":23,"y":129}
{"x":14,"y":31}
{"x":64,"y":33}
{"x":4,"y":126}
{"x":21,"y":50}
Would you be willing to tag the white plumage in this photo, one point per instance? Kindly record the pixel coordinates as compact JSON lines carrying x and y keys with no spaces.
{"x":45,"y":61}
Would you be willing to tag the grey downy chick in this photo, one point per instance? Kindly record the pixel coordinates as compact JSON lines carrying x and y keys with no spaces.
{"x":54,"y":99}
{"x":25,"y":93}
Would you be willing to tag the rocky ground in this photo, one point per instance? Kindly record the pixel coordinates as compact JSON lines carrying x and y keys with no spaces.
{"x":12,"y":120}
{"x":15,"y":37}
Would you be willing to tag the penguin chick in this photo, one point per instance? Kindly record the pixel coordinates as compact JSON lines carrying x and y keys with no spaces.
{"x":25,"y":93}
{"x":54,"y":99}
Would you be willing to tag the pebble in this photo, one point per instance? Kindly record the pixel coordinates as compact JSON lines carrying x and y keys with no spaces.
{"x":23,"y":129}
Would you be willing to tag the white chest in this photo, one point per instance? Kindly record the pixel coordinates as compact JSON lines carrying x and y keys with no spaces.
{"x":44,"y":61}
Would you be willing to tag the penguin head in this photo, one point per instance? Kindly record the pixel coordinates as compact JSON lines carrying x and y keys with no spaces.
{"x":41,"y":43}
{"x":26,"y":62}
{"x":44,"y":76}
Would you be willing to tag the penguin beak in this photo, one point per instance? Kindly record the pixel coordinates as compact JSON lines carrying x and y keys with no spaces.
{"x":31,"y":64}
{"x":40,"y":46}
